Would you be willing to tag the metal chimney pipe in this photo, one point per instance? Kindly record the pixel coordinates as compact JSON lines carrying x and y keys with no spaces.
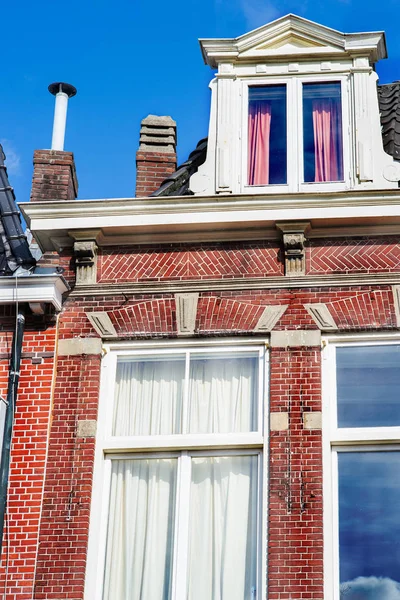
{"x":62,"y":92}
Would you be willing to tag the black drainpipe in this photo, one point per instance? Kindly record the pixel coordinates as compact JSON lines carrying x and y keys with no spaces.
{"x":13,"y":379}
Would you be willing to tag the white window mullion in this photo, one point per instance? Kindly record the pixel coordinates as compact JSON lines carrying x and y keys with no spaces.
{"x":185,"y":401}
{"x":179,"y":588}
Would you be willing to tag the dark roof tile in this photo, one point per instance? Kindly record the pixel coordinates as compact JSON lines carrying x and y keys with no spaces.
{"x":389,"y":106}
{"x":14,"y":247}
{"x":177,"y":184}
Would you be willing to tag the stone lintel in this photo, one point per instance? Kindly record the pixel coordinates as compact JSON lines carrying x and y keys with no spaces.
{"x":295,"y":338}
{"x":79,"y":346}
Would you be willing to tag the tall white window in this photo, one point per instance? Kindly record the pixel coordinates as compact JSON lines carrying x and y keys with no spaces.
{"x":295,"y":134}
{"x":181,"y":453}
{"x":364,"y":424}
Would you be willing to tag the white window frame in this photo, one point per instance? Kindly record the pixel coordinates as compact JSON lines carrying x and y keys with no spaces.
{"x":180,"y":445}
{"x":344,"y":439}
{"x":294,"y":128}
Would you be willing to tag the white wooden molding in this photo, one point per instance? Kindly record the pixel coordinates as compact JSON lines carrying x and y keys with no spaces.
{"x":252,"y":283}
{"x":234,"y":217}
{"x":34,"y":289}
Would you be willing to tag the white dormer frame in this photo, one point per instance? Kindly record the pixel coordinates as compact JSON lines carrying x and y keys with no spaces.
{"x":292,"y":35}
{"x":295,"y":151}
{"x":288,"y":49}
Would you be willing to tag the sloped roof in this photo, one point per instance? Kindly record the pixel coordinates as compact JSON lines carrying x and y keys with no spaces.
{"x":389,"y":106}
{"x":177,"y":184}
{"x":14,"y":248}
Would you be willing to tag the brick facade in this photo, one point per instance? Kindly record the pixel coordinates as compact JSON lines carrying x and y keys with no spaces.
{"x":47,"y":535}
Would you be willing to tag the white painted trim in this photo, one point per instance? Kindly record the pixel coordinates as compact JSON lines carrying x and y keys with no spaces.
{"x":344,"y":440}
{"x":251,"y":283}
{"x":108,"y":448}
{"x":176,"y":217}
{"x":47,"y":289}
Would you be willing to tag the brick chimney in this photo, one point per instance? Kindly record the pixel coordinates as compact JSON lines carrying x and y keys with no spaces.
{"x":156,"y":157}
{"x":54,"y":176}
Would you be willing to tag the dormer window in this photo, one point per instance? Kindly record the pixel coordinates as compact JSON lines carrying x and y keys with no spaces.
{"x":294,"y":109}
{"x":267,"y":147}
{"x":295,"y":134}
{"x":322,"y":132}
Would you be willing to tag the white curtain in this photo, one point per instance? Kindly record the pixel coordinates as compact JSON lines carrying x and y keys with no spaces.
{"x":222,"y":396}
{"x":140,"y":530}
{"x":148,"y":397}
{"x":223,"y":540}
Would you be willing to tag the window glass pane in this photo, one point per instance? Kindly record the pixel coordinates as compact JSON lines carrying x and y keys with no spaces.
{"x":322,"y":132}
{"x":369,"y":525}
{"x":368,"y":384}
{"x":267,"y":135}
{"x":223,"y":393}
{"x":148,"y":396}
{"x":140,"y":530}
{"x":223,"y":528}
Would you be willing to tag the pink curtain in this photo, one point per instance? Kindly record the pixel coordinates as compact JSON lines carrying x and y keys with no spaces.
{"x":258,"y":151}
{"x":327,"y":123}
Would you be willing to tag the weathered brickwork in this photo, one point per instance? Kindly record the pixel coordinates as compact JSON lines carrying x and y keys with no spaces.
{"x":52,"y":467}
{"x":54,"y":176}
{"x":353,"y":255}
{"x":295,"y":525}
{"x":151,"y":170}
{"x":189,"y":262}
{"x":67,"y":494}
{"x":28,"y":459}
{"x":353,"y":309}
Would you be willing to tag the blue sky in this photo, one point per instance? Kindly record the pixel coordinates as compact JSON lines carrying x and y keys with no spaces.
{"x":129,"y":58}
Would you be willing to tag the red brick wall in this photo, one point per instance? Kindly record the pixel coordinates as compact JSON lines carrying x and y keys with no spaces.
{"x":188,"y":261}
{"x":28,"y":458}
{"x":54,"y":176}
{"x":151,"y":170}
{"x":64,"y":527}
{"x":295,"y":542}
{"x":57,"y":527}
{"x":353,"y":255}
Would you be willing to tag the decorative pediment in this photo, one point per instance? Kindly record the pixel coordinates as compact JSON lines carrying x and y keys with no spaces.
{"x":292,"y":35}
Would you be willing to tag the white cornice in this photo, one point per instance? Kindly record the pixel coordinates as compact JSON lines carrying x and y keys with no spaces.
{"x":36,"y":289}
{"x":210,"y":218}
{"x":248,"y":283}
{"x":268,"y":40}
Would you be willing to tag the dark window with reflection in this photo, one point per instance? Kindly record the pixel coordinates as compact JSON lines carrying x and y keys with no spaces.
{"x":322,"y":132}
{"x":368,"y":386}
{"x":267,"y":146}
{"x":369,"y":525}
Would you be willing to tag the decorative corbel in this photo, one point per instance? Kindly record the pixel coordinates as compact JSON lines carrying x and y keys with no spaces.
{"x":86,"y":262}
{"x":293,"y":235}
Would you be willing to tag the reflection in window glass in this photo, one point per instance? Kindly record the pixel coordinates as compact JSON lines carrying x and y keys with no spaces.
{"x":322,"y":132}
{"x":223,"y":394}
{"x":267,"y":135}
{"x":368,"y":384}
{"x":369,"y":525}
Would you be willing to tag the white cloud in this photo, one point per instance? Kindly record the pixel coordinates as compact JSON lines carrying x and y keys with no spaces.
{"x":370,"y":588}
{"x":12,"y":157}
